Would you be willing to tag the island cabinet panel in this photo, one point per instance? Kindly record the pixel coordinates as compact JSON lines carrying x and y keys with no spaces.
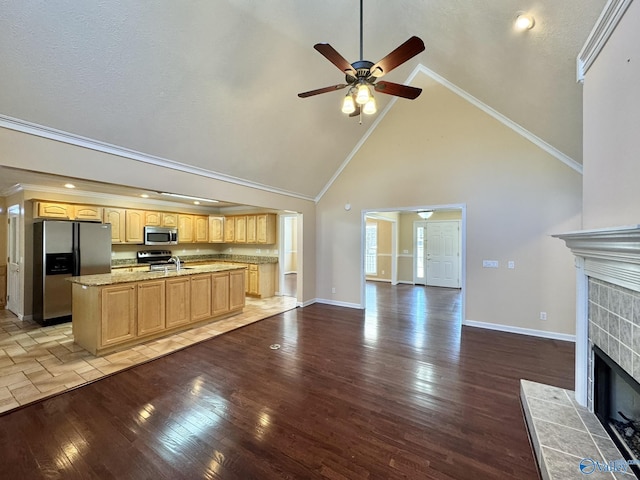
{"x":151,"y":307}
{"x":201,"y":288}
{"x":116,"y":217}
{"x":236,"y":289}
{"x":178,"y":301}
{"x":118,"y":314}
{"x":220,"y":294}
{"x":216,"y":229}
{"x":134,"y":226}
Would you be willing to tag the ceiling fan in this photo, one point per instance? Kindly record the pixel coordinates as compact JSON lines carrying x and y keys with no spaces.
{"x":361,"y":75}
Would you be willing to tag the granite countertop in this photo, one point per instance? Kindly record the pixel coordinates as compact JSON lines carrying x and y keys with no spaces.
{"x":225,"y":257}
{"x":126,"y":277}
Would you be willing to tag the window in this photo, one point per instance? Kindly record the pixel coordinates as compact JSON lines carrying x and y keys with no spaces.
{"x":371,"y":249}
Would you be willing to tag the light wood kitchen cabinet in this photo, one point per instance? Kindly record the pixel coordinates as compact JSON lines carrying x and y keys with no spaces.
{"x":3,"y":286}
{"x":201,"y":228}
{"x":178,"y":301}
{"x":241,"y":229}
{"x":116,"y":217}
{"x":134,"y":226}
{"x":169,"y":219}
{"x":153,"y":219}
{"x":220,"y":294}
{"x":185,"y":229}
{"x":118,"y":314}
{"x":87,"y":212}
{"x":262,"y":280}
{"x":266,"y":228}
{"x":236,"y":289}
{"x":201,"y":288}
{"x":53,"y":210}
{"x":229,"y":229}
{"x":216,"y":229}
{"x":151,"y":307}
{"x":251,"y":229}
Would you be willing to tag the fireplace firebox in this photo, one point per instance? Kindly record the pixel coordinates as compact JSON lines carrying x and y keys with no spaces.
{"x":617,"y":405}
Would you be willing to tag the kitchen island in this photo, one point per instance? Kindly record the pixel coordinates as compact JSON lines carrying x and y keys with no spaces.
{"x":116,"y":310}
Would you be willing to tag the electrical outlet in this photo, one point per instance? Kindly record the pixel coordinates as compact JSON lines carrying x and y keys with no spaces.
{"x":382,"y":272}
{"x":511,"y":264}
{"x":333,"y":290}
{"x":490,"y":264}
{"x":543,"y":315}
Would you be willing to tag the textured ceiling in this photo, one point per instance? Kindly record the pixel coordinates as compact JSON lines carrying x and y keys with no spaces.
{"x":213,"y":84}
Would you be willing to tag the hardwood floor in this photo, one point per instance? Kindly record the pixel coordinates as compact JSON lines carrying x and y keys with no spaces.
{"x":397,"y":391}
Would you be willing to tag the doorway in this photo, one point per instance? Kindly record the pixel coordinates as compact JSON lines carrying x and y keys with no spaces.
{"x":289,"y":254}
{"x":437,"y":248}
{"x":13,"y":261}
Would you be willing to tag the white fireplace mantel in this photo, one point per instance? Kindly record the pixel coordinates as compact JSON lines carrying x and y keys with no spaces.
{"x":609,"y":254}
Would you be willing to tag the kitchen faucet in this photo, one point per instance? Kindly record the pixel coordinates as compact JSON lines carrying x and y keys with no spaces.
{"x":175,"y":259}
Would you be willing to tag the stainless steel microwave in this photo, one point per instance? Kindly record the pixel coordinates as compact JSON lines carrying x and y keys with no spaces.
{"x":160,"y":236}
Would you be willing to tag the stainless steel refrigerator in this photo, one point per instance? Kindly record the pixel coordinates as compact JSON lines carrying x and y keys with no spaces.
{"x":63,"y":249}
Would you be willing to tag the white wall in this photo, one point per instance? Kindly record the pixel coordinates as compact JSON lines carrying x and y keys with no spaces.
{"x":446,"y":151}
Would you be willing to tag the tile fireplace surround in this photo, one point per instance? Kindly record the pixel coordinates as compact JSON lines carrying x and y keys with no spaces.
{"x":608,"y":316}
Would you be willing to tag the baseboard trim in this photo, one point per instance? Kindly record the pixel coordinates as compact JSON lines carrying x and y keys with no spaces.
{"x":521,"y":331}
{"x":336,"y":303}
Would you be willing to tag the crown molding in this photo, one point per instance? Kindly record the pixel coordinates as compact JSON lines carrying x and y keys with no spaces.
{"x":611,"y":15}
{"x":43,"y":131}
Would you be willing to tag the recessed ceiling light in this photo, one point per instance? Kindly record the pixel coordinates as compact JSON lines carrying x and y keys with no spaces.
{"x":144,"y":195}
{"x":524,"y":22}
{"x":69,"y":185}
{"x":196,"y":202}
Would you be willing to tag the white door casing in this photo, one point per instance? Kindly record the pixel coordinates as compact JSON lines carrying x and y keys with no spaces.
{"x":13,"y":261}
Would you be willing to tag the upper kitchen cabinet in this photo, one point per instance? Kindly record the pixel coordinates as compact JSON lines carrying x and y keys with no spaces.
{"x":185,"y":228}
{"x":216,"y":229}
{"x":67,"y":211}
{"x":266,"y":228}
{"x":169,"y":219}
{"x":241,"y":229}
{"x":153,"y":219}
{"x":134,"y":226}
{"x":115,"y":216}
{"x":201,"y":228}
{"x":251,"y":229}
{"x":229,"y":229}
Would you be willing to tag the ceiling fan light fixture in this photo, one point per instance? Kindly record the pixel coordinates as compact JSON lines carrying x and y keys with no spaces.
{"x":348,"y":105}
{"x":363,"y":95}
{"x":424,"y":214}
{"x":370,"y":107}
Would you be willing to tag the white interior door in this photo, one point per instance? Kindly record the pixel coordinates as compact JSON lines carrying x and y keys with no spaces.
{"x":443,"y":254}
{"x":13,"y":264}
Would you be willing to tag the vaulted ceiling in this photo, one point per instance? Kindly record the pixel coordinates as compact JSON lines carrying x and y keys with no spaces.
{"x":214,"y":84}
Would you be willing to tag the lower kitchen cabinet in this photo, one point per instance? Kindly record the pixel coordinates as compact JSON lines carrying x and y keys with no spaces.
{"x":151,"y":307}
{"x":201,"y":288}
{"x":178,"y":301}
{"x":236,"y":289}
{"x":220,"y":294}
{"x":262,"y":280}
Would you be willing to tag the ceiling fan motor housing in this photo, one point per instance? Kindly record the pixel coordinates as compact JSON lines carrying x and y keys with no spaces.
{"x":363,"y":69}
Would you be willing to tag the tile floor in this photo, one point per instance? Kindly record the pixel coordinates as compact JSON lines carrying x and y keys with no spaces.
{"x":37,"y":362}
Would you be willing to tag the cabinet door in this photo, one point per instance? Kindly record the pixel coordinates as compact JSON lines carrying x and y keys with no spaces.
{"x":115,"y":216}
{"x":201,"y":228}
{"x":118,"y":314}
{"x":251,"y":229}
{"x":229,"y":229}
{"x":87,"y":212}
{"x":216,"y":229}
{"x":201,"y":289}
{"x":220,"y":293}
{"x":134,"y":226}
{"x":254,"y":280}
{"x":185,"y":228}
{"x":178,"y":300}
{"x":266,"y":228}
{"x":241,"y":229}
{"x":236,"y":289}
{"x":153,"y":219}
{"x":169,"y":219}
{"x":54,"y":210}
{"x":151,"y":307}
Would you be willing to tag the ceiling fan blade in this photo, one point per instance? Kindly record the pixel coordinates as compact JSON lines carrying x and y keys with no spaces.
{"x":318,"y":91}
{"x":334,"y":57}
{"x":404,"y":91}
{"x":404,"y":52}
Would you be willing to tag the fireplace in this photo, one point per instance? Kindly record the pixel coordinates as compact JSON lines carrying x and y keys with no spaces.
{"x":616,"y":403}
